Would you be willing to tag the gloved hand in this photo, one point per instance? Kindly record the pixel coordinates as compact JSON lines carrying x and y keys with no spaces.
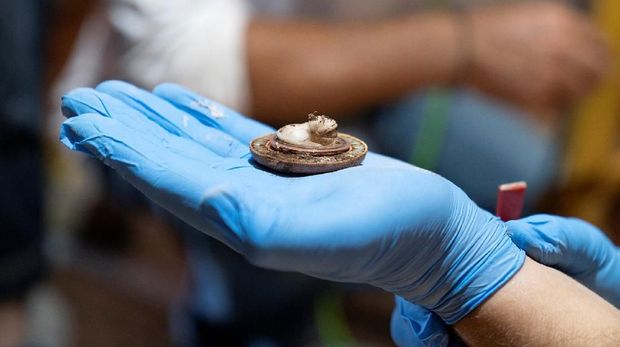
{"x":570,"y":245}
{"x":385,"y":223}
{"x":574,"y":247}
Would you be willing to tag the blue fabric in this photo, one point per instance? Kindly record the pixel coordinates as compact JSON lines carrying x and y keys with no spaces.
{"x":211,"y":295}
{"x":487,"y":143}
{"x":385,"y":223}
{"x":220,"y":279}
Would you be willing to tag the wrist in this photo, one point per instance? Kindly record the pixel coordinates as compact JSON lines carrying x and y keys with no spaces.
{"x":470,"y":261}
{"x":543,"y":307}
{"x":481,"y":268}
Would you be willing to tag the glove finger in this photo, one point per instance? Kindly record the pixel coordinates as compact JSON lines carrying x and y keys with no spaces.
{"x":569,"y":244}
{"x":537,"y":239}
{"x":174,"y":120}
{"x":212,"y":113}
{"x":128,"y":151}
{"x":87,"y":100}
{"x":178,"y":184}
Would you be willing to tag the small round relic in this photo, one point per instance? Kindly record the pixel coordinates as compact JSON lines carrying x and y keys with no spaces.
{"x":308,"y":148}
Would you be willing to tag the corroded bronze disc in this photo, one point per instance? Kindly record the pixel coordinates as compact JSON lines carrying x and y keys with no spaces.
{"x":339,"y":145}
{"x":308,"y":161}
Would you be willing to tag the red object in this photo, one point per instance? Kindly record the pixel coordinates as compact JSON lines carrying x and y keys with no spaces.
{"x":510,"y":200}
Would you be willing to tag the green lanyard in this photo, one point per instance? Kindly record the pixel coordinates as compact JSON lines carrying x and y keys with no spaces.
{"x":429,"y":141}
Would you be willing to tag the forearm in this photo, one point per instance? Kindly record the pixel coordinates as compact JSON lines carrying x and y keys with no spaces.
{"x":12,"y":323}
{"x":298,"y":67}
{"x":542,"y":307}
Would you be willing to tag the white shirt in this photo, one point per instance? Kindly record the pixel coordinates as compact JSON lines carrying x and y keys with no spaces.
{"x":201,"y":43}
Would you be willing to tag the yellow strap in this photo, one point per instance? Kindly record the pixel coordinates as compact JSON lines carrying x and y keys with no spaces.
{"x":594,"y":132}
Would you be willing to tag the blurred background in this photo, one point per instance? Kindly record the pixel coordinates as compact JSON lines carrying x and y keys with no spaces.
{"x":496,"y":91}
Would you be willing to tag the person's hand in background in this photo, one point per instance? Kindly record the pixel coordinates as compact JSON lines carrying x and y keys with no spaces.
{"x":570,"y":245}
{"x":385,"y":222}
{"x":539,"y":55}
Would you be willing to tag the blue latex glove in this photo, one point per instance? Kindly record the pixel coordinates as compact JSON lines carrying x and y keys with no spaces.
{"x":385,"y":223}
{"x":414,"y":326}
{"x":570,"y":245}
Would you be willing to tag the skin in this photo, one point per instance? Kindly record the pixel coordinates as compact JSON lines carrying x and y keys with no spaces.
{"x":12,"y":324}
{"x":538,"y":55}
{"x":307,"y":65}
{"x":541,"y":306}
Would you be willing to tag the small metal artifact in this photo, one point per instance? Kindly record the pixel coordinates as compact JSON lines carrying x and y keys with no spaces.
{"x":309,"y":148}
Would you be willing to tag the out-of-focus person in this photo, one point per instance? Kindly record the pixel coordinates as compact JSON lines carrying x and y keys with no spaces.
{"x":375,"y":66}
{"x":21,"y":173}
{"x":503,"y":65}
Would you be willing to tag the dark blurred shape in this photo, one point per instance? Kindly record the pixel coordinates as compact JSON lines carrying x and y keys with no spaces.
{"x":21,"y":177}
{"x":258,"y":305}
{"x":64,"y":21}
{"x":106,"y":226}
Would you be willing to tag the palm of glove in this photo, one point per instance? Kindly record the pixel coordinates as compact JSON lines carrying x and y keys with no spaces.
{"x":385,"y":222}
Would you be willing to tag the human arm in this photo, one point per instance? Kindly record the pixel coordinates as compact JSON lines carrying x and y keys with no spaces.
{"x":541,"y":306}
{"x":575,"y":247}
{"x":410,"y":232}
{"x":582,"y":253}
{"x":218,"y":48}
{"x":343,"y":67}
{"x":538,"y":55}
